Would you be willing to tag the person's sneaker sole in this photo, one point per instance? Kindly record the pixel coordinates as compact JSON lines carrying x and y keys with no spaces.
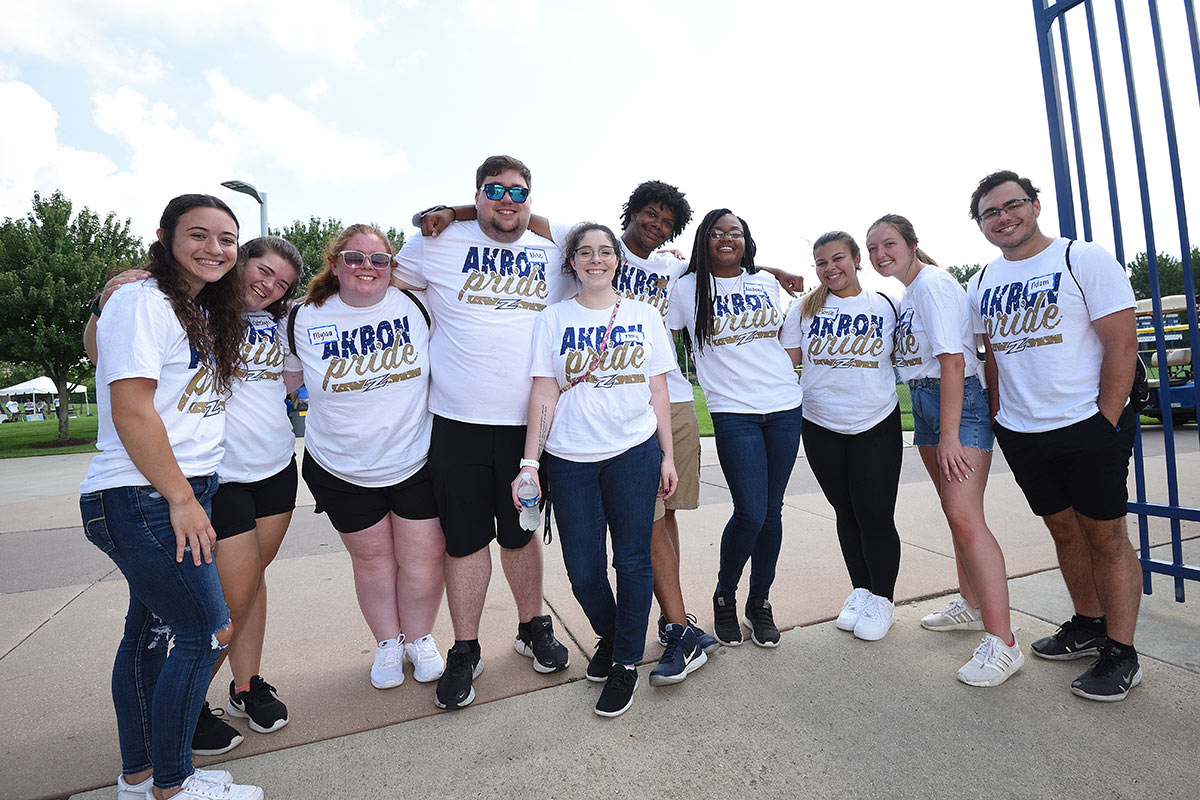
{"x":1087,"y":652}
{"x":527,"y":650}
{"x":973,"y":625}
{"x":234,"y":711}
{"x":437,"y":701}
{"x":993,"y":681}
{"x":1110,"y":698}
{"x":669,"y":680}
{"x":222,"y":750}
{"x":754,"y":636}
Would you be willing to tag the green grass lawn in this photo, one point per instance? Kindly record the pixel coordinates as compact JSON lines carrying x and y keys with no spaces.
{"x":17,"y":438}
{"x":706,"y":426}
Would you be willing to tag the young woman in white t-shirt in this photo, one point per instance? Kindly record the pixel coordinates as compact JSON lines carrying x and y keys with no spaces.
{"x":731,"y":314}
{"x":363,"y":347}
{"x":168,"y":350}
{"x":599,"y":408}
{"x":935,"y":354}
{"x":843,"y":335}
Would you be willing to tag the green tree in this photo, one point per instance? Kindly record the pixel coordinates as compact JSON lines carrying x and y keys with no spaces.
{"x":1170,"y":274}
{"x":964,"y":273}
{"x":51,"y":265}
{"x":311,"y":237}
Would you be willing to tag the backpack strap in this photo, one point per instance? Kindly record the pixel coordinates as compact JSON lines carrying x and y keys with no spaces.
{"x":291,"y":327}
{"x":420,"y":305}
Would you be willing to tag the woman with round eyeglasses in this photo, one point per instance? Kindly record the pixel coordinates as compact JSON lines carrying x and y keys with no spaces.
{"x":844,"y":335}
{"x":363,"y":347}
{"x":599,"y":394}
{"x":936,"y":356}
{"x":731,"y":314}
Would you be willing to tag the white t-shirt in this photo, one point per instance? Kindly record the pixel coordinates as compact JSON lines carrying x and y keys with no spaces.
{"x":848,"y":382}
{"x":139,"y":336}
{"x":743,"y":369}
{"x":650,"y":280}
{"x":485,"y":296}
{"x":259,"y":441}
{"x":367,"y":373}
{"x":1040,"y":326}
{"x":934,"y":320}
{"x":609,"y":412}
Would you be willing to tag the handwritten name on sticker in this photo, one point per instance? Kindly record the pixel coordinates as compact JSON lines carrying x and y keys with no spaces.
{"x":323,"y":334}
{"x":1039,"y":284}
{"x":536,"y":255}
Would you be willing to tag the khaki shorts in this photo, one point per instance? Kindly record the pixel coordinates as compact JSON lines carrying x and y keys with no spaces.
{"x":685,"y":433}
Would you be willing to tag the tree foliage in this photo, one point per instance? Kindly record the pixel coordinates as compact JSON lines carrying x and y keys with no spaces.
{"x":51,"y":265}
{"x":311,"y":237}
{"x":963,"y":274}
{"x":1170,"y":274}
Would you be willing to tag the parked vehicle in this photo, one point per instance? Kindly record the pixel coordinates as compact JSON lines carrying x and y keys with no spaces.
{"x":1179,"y":369}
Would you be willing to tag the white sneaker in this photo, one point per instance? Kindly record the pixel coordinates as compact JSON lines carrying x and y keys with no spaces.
{"x":140,"y":791}
{"x":388,"y":669}
{"x":200,"y":785}
{"x":876,"y":620}
{"x":993,"y":662}
{"x":428,"y":664}
{"x":852,"y":609}
{"x":957,"y":616}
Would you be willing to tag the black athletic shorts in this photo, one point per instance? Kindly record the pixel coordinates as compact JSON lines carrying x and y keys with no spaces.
{"x":472,"y":468}
{"x":1084,"y":466}
{"x":354,"y":508}
{"x":237,"y":506}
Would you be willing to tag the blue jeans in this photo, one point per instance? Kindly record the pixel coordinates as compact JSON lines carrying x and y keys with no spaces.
{"x":157,"y":696}
{"x":617,"y":493}
{"x":757,"y":453}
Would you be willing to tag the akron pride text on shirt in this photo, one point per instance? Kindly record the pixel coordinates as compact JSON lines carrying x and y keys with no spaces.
{"x":262,"y":355}
{"x":201,"y":383}
{"x":507,"y":280}
{"x":650,"y":288}
{"x":625,"y":354}
{"x":844,"y":341}
{"x":1018,"y":315}
{"x":372,"y":355}
{"x":745,"y":317}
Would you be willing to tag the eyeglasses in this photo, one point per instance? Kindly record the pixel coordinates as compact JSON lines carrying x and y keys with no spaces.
{"x":495,"y":191}
{"x":717,"y":235}
{"x":1010,"y":207}
{"x":356,"y":258}
{"x":586,"y":253}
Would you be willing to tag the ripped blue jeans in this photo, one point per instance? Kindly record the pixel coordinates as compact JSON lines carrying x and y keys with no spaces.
{"x":157,"y":696}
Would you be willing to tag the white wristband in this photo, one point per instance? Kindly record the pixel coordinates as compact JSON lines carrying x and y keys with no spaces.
{"x":530,"y":462}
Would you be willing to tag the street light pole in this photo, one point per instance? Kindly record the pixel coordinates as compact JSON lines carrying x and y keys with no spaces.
{"x":261,"y":197}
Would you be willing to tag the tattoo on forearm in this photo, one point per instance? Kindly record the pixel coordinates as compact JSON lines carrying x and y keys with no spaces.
{"x":543,"y":430}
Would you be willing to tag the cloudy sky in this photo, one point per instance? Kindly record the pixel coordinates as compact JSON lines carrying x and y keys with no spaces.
{"x":801,"y":116}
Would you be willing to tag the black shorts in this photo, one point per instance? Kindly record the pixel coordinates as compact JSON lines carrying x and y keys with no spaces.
{"x":354,"y":508}
{"x":1084,"y":466}
{"x":472,"y":468}
{"x":237,"y":506}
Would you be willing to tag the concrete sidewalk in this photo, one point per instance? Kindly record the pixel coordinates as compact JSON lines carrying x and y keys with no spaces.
{"x":823,"y":715}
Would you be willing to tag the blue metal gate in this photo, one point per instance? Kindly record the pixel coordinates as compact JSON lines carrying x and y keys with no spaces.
{"x":1075,"y":139}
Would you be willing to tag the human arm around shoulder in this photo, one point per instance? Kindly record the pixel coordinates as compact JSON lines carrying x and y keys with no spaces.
{"x":114,"y":283}
{"x":543,"y":399}
{"x":661,"y":403}
{"x":1118,"y":336}
{"x":791,"y":282}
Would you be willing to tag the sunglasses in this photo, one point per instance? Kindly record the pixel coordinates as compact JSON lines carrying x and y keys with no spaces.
{"x":355,"y":258}
{"x":495,"y":191}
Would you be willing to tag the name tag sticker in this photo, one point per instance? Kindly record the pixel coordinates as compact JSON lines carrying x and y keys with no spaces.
{"x":323,"y":334}
{"x":536,"y":255}
{"x":828,"y":312}
{"x":261,"y":322}
{"x":633,"y":337}
{"x":754,"y":288}
{"x":1039,"y":284}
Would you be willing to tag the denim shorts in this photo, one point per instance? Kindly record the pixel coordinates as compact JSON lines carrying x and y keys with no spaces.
{"x":975,"y":428}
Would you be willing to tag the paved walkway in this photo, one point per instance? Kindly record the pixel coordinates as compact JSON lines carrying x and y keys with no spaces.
{"x":823,"y":715}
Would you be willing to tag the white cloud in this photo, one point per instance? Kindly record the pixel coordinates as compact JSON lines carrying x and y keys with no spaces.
{"x":316,"y":90}
{"x":485,"y":14}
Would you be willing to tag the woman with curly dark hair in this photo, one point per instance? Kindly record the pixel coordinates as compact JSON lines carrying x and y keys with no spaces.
{"x":168,"y":351}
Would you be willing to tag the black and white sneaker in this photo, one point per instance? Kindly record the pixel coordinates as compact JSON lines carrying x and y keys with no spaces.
{"x":536,"y":640}
{"x":617,"y":696}
{"x":463,"y":665}
{"x":761,"y":622}
{"x":1070,"y":641}
{"x":601,"y":663}
{"x":1110,"y":678}
{"x":260,"y":704}
{"x":213,"y":735}
{"x":725,"y":620}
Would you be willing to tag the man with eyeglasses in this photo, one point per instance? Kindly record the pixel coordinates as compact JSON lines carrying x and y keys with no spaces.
{"x":486,"y":282}
{"x":1057,"y":318}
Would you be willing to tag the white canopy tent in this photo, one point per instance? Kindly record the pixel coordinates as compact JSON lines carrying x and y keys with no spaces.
{"x":45,"y":386}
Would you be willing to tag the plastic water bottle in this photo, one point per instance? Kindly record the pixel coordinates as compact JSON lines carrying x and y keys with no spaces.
{"x":527,"y":493}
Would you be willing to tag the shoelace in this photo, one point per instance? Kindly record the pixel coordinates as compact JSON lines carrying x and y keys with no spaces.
{"x":619,"y":676}
{"x":761,"y":615}
{"x":871,"y":609}
{"x":426,"y":651}
{"x":956,"y":607}
{"x":1106,"y":663}
{"x":986,"y":650}
{"x":391,"y":655}
{"x":673,"y":650}
{"x":855,"y":602}
{"x":458,"y":663}
{"x":262,"y":690}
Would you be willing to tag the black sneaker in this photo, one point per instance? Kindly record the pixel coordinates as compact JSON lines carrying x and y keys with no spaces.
{"x":463,"y":665}
{"x":260,"y":704}
{"x":213,"y":735}
{"x":1110,"y":678}
{"x":682,"y":657}
{"x":536,"y":640}
{"x":761,"y":623}
{"x":725,"y":621}
{"x":617,"y":696}
{"x":1070,"y":641}
{"x":601,"y":663}
{"x":708,"y":642}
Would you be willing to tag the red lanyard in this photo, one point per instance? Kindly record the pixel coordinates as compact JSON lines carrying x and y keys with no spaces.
{"x":601,"y":346}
